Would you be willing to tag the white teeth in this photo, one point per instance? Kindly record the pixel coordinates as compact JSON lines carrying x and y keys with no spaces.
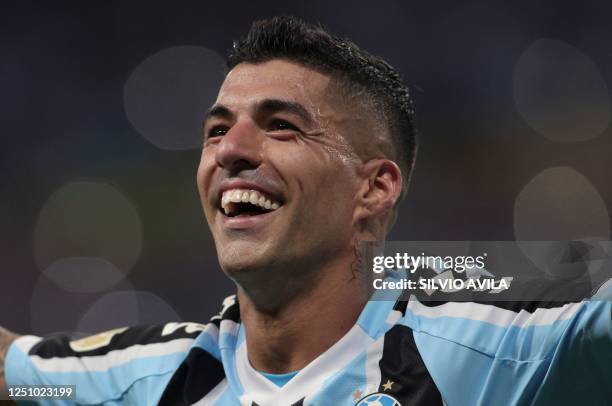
{"x":230,"y":197}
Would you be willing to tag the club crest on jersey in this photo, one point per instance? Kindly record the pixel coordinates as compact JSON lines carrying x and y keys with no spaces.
{"x":378,"y":399}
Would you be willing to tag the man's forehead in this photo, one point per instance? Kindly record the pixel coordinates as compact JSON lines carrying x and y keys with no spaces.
{"x":248,"y":83}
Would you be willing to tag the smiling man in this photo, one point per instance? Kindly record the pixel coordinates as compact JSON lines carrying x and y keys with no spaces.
{"x":308,"y":149}
{"x":280,"y":184}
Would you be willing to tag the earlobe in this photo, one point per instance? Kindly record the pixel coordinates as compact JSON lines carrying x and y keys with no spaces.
{"x":380,"y":190}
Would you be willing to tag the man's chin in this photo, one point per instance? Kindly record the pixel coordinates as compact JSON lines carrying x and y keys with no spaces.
{"x":247,"y":275}
{"x":238,"y":263}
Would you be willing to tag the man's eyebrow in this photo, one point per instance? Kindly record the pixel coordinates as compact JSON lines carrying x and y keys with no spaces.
{"x":218,"y":110}
{"x":265,"y":106}
{"x":279,"y":105}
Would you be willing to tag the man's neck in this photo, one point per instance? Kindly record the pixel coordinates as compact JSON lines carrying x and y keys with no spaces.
{"x":306,"y":325}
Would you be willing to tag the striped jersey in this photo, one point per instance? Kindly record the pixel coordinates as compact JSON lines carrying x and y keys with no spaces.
{"x":406,"y":353}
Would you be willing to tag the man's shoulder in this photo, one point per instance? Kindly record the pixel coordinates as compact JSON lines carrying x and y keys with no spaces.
{"x":140,"y":340}
{"x":139,"y":360}
{"x":518,"y":331}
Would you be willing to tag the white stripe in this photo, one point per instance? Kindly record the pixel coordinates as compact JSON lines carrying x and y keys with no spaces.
{"x":214,"y":395}
{"x":25,"y":343}
{"x":255,"y":385}
{"x":112,"y":359}
{"x":372,"y":366}
{"x":495,"y":315}
{"x":312,"y":377}
{"x":309,"y":379}
{"x":393,"y":317}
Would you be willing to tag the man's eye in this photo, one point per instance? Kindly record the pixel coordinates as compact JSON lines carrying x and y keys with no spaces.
{"x":217,"y":131}
{"x":282,"y":125}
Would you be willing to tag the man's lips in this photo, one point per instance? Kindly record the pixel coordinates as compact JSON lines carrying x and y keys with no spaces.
{"x":244,"y":222}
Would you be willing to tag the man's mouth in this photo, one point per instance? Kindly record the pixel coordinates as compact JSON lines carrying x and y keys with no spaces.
{"x":243,"y":202}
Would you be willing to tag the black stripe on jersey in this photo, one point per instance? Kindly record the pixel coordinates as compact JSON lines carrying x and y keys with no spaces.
{"x":403,"y":372}
{"x":199,"y":373}
{"x":546,"y":292}
{"x":58,"y":346}
{"x":514,"y":306}
{"x":231,"y":313}
{"x":298,"y":403}
{"x":400,"y":306}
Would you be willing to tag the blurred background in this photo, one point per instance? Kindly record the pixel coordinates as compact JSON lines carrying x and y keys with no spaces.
{"x":101,"y":106}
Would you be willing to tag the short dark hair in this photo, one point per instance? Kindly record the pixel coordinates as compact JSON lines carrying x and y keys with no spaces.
{"x":315,"y":47}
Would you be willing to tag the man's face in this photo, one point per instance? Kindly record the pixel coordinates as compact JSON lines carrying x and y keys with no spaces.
{"x":278,"y":176}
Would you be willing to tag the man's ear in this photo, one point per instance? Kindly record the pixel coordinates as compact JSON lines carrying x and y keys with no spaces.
{"x":380,"y":188}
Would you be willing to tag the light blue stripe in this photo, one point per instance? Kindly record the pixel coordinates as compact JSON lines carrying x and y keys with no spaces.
{"x":227,"y":340}
{"x":241,"y":336}
{"x":96,"y":387}
{"x":279,"y":380}
{"x":519,"y":343}
{"x":206,"y":342}
{"x":147,"y":390}
{"x":467,"y":377}
{"x":373,"y":318}
{"x":229,"y":364}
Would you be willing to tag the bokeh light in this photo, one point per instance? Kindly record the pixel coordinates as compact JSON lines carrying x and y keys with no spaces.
{"x":53,"y":309}
{"x":84,"y":274}
{"x":88,"y":235}
{"x":560,"y":204}
{"x":560,"y":92}
{"x":166,"y":96}
{"x":126,"y":308}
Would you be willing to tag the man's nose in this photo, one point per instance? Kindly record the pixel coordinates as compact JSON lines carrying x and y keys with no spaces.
{"x":240,"y":148}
